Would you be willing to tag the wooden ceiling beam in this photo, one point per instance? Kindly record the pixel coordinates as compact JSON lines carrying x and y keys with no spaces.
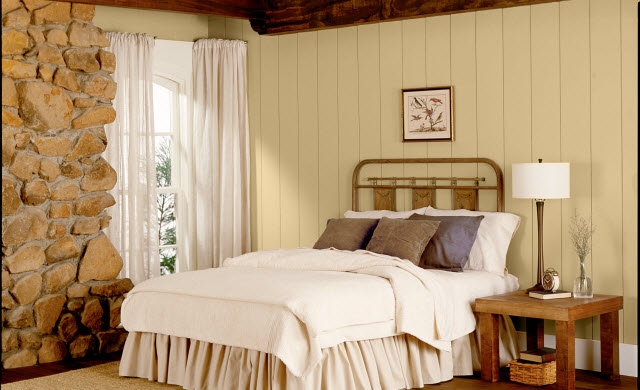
{"x":290,"y":16}
{"x":285,"y":16}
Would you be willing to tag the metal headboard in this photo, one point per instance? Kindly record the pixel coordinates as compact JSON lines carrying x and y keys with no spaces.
{"x":423,"y":188}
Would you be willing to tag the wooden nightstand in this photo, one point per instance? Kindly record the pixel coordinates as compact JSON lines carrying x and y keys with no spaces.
{"x":564,"y":312}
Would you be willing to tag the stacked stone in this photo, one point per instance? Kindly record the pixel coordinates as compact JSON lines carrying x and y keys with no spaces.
{"x":60,"y":293}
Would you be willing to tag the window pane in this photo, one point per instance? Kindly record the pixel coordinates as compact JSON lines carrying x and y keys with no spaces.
{"x":164,"y":147}
{"x":167,"y":219}
{"x":167,"y":261}
{"x":162,"y":108}
{"x":166,"y":107}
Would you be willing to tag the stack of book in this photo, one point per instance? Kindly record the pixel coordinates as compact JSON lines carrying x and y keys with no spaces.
{"x":550,"y":294}
{"x":540,"y":355}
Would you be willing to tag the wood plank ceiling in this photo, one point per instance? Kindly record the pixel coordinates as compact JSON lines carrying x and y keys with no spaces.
{"x":288,"y":16}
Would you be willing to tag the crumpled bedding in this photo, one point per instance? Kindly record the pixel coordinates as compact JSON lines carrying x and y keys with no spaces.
{"x":293,"y":302}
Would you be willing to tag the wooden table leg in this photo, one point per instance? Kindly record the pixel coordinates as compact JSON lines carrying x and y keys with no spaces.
{"x":610,"y":346}
{"x":489,"y":343}
{"x":565,"y":355}
{"x":535,"y":333}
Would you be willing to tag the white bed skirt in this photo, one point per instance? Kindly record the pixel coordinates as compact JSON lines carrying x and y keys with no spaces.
{"x":392,"y":363}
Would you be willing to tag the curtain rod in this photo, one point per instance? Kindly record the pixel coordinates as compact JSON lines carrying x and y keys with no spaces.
{"x":243,"y":41}
{"x":223,"y":39}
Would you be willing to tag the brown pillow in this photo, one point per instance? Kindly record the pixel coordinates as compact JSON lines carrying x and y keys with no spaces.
{"x":402,"y":238}
{"x":347,"y":233}
{"x":449,"y":248}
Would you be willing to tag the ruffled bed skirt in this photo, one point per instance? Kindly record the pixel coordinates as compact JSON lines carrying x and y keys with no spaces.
{"x":396,"y":362}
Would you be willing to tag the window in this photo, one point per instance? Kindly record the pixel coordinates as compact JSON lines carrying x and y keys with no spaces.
{"x":173,"y":96}
{"x":166,"y":107}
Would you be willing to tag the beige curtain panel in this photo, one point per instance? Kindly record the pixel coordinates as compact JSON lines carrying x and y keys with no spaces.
{"x":131,"y":152}
{"x":220,"y":150}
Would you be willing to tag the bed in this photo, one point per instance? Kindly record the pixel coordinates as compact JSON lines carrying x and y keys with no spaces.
{"x":384,"y":299}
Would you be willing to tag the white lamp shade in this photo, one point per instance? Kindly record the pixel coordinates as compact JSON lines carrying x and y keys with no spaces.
{"x":540,"y":180}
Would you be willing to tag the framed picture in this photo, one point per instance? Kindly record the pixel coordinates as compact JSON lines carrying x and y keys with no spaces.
{"x":427,"y":114}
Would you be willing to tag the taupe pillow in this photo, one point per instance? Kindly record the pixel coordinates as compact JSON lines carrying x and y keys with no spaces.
{"x":449,"y":248}
{"x":347,"y":233}
{"x":402,"y":238}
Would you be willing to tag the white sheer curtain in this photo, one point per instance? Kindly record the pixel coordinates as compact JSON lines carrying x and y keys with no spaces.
{"x":220,"y":152}
{"x":131,"y":152}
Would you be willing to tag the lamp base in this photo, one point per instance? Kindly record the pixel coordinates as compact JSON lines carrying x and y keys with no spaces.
{"x":537,"y":287}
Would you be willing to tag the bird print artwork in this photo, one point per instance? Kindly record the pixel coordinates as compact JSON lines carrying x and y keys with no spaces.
{"x":428,"y":113}
{"x":432,"y":108}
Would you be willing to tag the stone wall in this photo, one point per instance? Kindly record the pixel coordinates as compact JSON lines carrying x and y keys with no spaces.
{"x":60,"y":293}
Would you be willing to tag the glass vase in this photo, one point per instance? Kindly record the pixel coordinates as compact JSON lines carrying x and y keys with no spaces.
{"x":582,"y":286}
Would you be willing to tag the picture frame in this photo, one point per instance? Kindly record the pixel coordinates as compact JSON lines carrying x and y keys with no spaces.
{"x":427,"y":114}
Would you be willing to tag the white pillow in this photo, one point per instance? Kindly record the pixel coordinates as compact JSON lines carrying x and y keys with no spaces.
{"x":489,"y":250}
{"x":377,"y":214}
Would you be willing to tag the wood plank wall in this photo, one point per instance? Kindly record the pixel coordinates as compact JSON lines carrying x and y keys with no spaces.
{"x":556,"y":81}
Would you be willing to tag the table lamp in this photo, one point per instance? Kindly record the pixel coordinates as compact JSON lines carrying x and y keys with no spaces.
{"x":540,"y":181}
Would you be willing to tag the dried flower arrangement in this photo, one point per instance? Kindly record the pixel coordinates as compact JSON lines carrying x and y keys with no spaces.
{"x":581,"y":231}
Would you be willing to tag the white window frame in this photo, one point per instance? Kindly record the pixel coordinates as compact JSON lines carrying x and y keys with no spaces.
{"x":177,"y":87}
{"x":173,"y":60}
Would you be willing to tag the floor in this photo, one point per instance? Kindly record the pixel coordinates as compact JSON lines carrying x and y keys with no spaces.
{"x":20,"y":374}
{"x":585,"y":380}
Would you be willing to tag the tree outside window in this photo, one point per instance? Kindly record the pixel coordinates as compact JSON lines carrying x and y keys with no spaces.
{"x":166,"y":207}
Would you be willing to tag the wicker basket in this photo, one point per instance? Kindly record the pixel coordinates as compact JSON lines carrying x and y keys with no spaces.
{"x":537,"y":374}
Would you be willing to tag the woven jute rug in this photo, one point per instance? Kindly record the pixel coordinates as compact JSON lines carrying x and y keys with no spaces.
{"x":100,"y":377}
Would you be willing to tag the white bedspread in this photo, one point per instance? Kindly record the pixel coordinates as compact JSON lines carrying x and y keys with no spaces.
{"x":292,"y":303}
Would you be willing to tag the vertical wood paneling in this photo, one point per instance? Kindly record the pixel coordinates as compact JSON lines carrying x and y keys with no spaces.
{"x":391,"y":99}
{"x":606,"y":157}
{"x":557,"y":81}
{"x":289,"y":148}
{"x":348,"y":126}
{"x":369,"y":101}
{"x":545,"y":109}
{"x":253,"y":100}
{"x":270,"y":131}
{"x":629,"y":82}
{"x":328,"y":142}
{"x":414,"y":54}
{"x":438,"y":54}
{"x":414,"y":75}
{"x":438,"y":73}
{"x":489,"y":93}
{"x":464,"y":81}
{"x":517,"y":126}
{"x":308,"y":141}
{"x":576,"y":138}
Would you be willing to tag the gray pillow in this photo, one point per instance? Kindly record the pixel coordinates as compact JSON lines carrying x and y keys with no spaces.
{"x":347,"y":233}
{"x":402,"y":238}
{"x":449,"y":248}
